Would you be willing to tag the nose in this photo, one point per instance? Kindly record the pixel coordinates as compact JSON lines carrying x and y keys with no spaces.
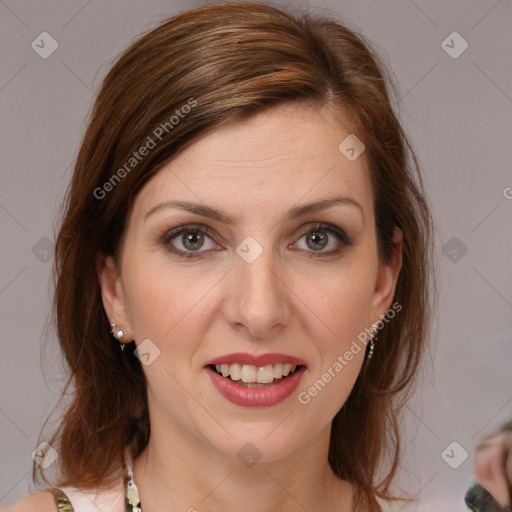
{"x":258,"y":298}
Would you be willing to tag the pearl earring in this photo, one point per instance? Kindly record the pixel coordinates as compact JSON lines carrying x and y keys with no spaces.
{"x":118,"y":334}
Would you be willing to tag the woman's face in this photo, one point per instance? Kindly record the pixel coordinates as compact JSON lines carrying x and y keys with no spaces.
{"x":268,"y":281}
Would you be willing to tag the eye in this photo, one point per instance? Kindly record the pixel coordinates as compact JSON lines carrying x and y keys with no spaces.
{"x":319,"y":236}
{"x":187,"y":240}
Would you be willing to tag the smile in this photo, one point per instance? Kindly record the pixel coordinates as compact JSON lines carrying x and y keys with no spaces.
{"x":252,"y":386}
{"x":249,"y":374}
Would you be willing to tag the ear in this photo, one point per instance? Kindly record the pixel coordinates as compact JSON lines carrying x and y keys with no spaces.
{"x":112,"y":295}
{"x":387,"y":277}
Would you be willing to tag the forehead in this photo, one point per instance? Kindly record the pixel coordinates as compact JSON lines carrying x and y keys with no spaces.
{"x":273,"y":160}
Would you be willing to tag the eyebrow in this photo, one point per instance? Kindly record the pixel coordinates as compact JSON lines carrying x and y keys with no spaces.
{"x":295,"y":213}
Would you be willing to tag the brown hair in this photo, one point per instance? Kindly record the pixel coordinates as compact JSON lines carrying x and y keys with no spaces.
{"x":228,"y":62}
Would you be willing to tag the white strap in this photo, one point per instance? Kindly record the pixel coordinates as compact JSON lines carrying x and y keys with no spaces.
{"x":91,"y":501}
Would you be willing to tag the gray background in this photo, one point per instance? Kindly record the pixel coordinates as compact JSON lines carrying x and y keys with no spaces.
{"x":458,"y":113}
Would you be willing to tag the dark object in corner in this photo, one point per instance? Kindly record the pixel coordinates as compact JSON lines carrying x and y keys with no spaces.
{"x":478,"y":499}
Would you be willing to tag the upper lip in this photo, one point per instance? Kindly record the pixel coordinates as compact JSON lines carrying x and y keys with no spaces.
{"x":261,"y":360}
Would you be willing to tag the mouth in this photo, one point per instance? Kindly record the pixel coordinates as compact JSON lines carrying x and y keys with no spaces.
{"x":249,"y":376}
{"x":255,"y":386}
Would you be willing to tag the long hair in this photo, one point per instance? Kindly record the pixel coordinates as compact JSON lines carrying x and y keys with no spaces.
{"x":194,"y":72}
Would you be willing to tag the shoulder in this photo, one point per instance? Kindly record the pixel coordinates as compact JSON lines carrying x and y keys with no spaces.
{"x":41,"y":501}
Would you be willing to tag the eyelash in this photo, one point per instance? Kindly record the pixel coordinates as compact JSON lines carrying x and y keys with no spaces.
{"x":168,"y":236}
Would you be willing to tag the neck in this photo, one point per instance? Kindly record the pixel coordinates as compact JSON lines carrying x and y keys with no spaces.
{"x":182,"y":472}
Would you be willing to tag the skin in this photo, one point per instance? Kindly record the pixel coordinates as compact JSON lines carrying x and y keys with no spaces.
{"x":284,"y":301}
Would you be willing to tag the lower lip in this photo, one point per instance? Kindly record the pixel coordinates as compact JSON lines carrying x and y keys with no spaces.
{"x":256,"y":397}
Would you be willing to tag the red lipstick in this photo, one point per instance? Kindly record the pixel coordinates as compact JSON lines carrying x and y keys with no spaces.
{"x":261,"y":360}
{"x":261,"y":395}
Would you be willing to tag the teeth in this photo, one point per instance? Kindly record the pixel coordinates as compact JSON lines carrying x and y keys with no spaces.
{"x":253,"y":374}
{"x":287,"y":368}
{"x":235,"y":371}
{"x":265,"y":374}
{"x":248,"y":373}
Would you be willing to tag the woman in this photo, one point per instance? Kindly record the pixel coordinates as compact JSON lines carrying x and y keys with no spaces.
{"x":243,"y":274}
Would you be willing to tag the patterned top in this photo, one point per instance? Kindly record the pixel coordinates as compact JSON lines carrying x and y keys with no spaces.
{"x":477,"y":498}
{"x":62,"y":501}
{"x":132,"y":501}
{"x":64,"y":504}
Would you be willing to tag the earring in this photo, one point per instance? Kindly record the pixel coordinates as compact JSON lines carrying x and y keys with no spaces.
{"x":118,"y":335}
{"x":374,"y":330}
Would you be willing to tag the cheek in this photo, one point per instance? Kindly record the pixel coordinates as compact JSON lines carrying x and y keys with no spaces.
{"x":159,"y":300}
{"x":341,"y":304}
{"x":341,"y":300}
